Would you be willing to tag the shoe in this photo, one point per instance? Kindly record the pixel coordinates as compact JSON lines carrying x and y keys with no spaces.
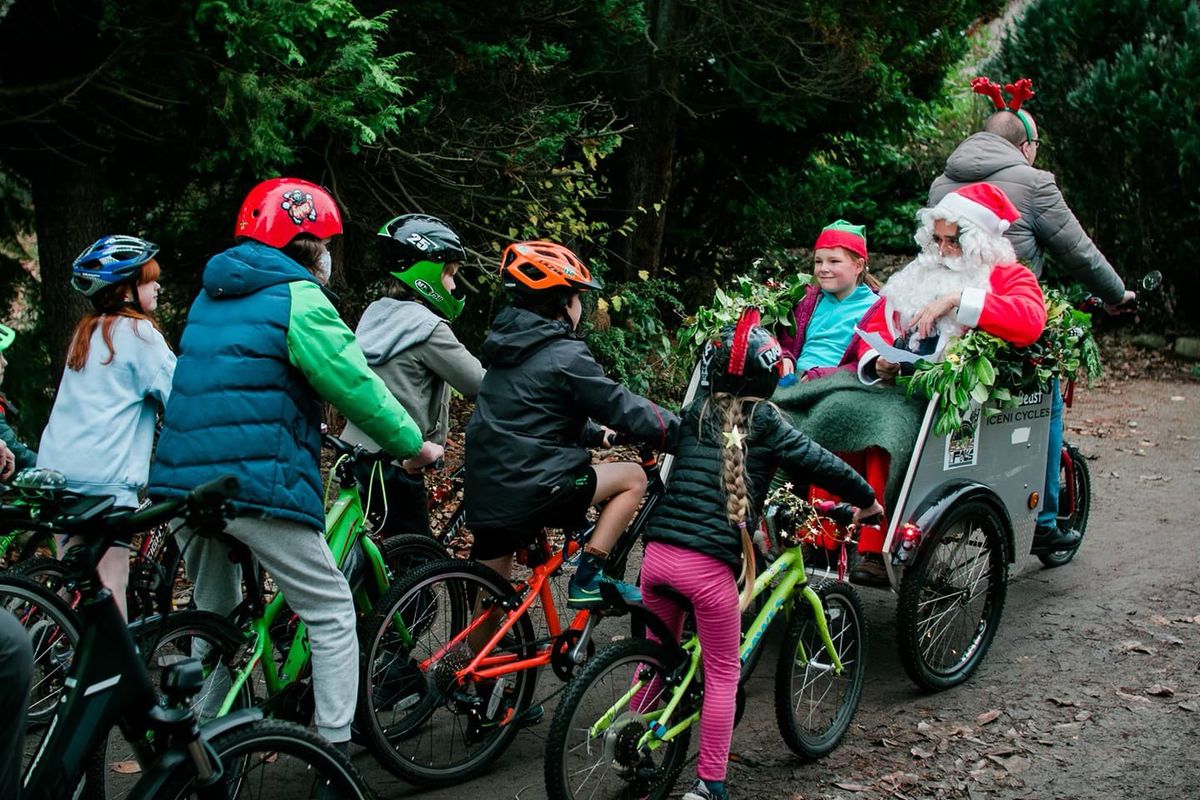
{"x":870,"y":571}
{"x":1051,"y":539}
{"x":703,"y":790}
{"x":584,"y":591}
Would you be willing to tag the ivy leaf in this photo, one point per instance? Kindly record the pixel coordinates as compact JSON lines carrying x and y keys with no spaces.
{"x":985,"y":372}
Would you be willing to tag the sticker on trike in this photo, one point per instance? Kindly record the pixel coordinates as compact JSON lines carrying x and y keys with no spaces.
{"x":962,"y":446}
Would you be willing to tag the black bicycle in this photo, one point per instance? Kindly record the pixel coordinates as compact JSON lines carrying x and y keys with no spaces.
{"x":107,"y":685}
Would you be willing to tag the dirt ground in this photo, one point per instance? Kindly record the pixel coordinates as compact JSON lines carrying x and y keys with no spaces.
{"x":1092,"y":686}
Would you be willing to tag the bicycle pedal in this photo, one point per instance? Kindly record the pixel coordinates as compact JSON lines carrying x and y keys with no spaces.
{"x":530,"y":716}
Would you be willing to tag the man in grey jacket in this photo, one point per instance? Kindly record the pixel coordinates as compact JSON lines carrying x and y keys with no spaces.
{"x":1003,"y":154}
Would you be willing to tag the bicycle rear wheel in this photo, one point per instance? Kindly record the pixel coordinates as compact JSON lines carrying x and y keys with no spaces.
{"x":592,"y":750}
{"x":814,"y":704}
{"x":418,"y":720}
{"x":270,"y":759}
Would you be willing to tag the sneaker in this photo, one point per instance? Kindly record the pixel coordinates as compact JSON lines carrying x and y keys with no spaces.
{"x":1051,"y":539}
{"x":870,"y":571}
{"x":702,"y":790}
{"x":585,"y":592}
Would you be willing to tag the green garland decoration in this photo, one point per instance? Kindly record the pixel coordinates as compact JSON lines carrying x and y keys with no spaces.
{"x":774,"y":298}
{"x":980,"y":368}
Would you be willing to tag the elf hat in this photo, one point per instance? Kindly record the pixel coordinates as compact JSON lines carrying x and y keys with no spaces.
{"x":982,"y":204}
{"x":844,"y":234}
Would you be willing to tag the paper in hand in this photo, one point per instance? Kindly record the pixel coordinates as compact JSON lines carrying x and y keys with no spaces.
{"x":895,"y":355}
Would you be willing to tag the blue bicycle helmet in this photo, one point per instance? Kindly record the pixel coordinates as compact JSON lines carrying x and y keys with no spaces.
{"x":110,"y":260}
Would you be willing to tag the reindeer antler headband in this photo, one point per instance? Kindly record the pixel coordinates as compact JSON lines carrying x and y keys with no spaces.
{"x":1018,"y":93}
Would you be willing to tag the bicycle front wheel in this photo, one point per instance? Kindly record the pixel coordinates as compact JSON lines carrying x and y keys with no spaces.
{"x":814,"y":703}
{"x":592,"y":750}
{"x":54,"y":629}
{"x":418,"y":719}
{"x":270,"y":759}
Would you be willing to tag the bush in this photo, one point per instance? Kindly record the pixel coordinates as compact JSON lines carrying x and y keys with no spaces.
{"x":1117,"y":85}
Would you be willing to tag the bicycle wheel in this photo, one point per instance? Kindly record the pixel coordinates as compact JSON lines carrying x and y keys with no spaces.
{"x":591,"y":751}
{"x":418,"y":721}
{"x":405,"y":553}
{"x":50,"y":573}
{"x":814,"y":704}
{"x":1080,"y":478}
{"x":952,"y":598}
{"x":207,"y":637}
{"x":272,"y":759}
{"x":54,"y":628}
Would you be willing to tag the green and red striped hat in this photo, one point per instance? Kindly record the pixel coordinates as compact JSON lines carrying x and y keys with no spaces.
{"x":844,"y":234}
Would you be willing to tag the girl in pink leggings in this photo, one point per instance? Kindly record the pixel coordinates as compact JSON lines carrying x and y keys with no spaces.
{"x":731,"y":442}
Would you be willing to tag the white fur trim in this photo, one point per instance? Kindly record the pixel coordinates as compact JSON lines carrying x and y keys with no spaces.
{"x":971,"y":306}
{"x":868,"y":361}
{"x":981,"y":215}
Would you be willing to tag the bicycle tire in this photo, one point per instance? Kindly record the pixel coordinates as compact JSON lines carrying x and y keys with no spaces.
{"x":1082,"y":480}
{"x":168,"y":644}
{"x":436,"y":602}
{"x":407,"y":552}
{"x":54,"y":628}
{"x":611,"y":759}
{"x":811,"y":735}
{"x":295,"y":758}
{"x":932,"y":604}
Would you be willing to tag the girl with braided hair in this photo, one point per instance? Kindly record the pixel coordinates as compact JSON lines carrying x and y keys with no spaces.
{"x":698,"y":540}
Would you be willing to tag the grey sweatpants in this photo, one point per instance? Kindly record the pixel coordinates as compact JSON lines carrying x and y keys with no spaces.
{"x":301,"y":565}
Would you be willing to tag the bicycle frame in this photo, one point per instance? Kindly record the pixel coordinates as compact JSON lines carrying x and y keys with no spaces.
{"x":789,"y":570}
{"x":344,"y":530}
{"x":108,"y":685}
{"x":485,"y":666}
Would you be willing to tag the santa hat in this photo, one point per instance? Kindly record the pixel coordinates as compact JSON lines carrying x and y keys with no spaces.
{"x":844,"y":234}
{"x":981,"y":204}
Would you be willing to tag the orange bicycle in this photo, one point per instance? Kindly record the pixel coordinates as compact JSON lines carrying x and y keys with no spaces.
{"x":436,"y":710}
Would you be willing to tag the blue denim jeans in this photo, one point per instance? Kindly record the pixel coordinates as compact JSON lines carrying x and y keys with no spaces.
{"x":1049,"y":510}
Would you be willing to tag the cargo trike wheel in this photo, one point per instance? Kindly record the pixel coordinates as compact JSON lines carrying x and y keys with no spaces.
{"x":952,"y":598}
{"x":1074,"y":504}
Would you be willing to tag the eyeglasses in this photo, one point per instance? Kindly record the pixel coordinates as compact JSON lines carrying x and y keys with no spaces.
{"x":951,"y":241}
{"x":1033,"y":141}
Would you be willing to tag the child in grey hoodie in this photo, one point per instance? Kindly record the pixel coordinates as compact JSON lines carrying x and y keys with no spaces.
{"x":409,"y":344}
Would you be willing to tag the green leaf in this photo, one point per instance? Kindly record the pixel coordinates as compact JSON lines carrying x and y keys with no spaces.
{"x":985,"y":372}
{"x":979,"y":394}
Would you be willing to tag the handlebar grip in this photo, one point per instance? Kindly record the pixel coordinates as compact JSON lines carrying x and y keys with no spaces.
{"x":216,"y":490}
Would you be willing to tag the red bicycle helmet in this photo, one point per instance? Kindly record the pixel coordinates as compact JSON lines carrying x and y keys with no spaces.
{"x":278,"y":210}
{"x":543,"y":266}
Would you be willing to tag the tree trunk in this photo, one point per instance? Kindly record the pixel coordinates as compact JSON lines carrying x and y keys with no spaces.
{"x":68,"y":217}
{"x":650,"y":150}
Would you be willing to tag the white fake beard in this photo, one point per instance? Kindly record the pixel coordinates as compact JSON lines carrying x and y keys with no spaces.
{"x":928,"y":277}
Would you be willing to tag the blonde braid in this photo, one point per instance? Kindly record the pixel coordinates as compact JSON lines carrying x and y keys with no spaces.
{"x":737,"y":502}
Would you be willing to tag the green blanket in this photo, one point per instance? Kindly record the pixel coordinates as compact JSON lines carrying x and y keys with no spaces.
{"x":842,"y":414}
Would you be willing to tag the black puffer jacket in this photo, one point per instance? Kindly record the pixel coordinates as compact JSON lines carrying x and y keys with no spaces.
{"x":693,"y":512}
{"x":527,"y":433}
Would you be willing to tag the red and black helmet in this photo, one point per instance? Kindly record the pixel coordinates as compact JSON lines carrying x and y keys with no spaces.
{"x":530,"y":267}
{"x":278,"y":210}
{"x":744,"y":361}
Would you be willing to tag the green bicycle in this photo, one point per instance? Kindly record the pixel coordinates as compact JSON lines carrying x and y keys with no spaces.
{"x":262,"y":647}
{"x":623,"y":727}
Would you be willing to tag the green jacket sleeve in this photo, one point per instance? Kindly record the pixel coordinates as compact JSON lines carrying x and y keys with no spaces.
{"x":325,"y":350}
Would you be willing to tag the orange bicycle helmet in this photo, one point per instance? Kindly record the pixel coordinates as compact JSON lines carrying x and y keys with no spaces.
{"x":544,"y":266}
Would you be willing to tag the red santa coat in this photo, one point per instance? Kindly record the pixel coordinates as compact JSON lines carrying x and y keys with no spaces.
{"x":1012,"y":308}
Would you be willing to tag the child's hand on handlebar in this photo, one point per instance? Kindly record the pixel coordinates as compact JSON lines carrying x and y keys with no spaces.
{"x":430,"y":452}
{"x":867,"y":513}
{"x":608,"y":437}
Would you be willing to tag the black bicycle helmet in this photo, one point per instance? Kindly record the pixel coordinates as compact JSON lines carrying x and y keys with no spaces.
{"x":743,"y":361}
{"x":415,"y":248}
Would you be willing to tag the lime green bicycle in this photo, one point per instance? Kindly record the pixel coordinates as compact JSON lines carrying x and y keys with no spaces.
{"x":262,"y":647}
{"x":623,"y":727}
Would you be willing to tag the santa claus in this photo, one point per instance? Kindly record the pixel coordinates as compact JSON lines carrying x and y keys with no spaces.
{"x":966,"y":276}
